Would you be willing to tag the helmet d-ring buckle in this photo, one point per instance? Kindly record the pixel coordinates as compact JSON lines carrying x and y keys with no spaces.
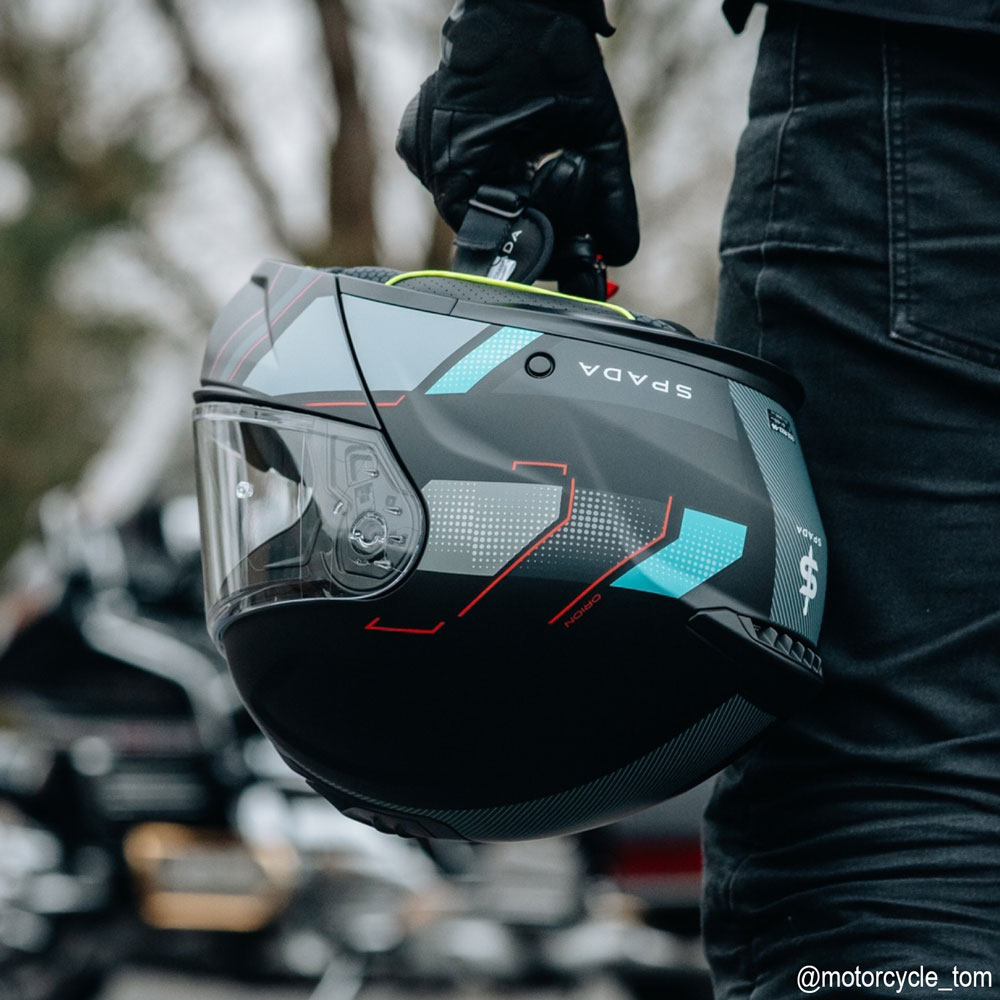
{"x":502,"y":239}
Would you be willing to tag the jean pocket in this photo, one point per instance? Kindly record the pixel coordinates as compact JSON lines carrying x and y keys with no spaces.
{"x":942,"y":128}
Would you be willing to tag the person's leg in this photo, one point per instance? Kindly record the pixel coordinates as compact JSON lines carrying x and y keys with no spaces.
{"x":861,"y":250}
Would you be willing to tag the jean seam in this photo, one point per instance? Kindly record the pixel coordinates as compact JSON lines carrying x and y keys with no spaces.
{"x":896,"y":193}
{"x":783,"y":245}
{"x":779,"y":145}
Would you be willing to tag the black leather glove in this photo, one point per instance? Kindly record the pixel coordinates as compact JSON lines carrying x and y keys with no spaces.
{"x":520,"y":79}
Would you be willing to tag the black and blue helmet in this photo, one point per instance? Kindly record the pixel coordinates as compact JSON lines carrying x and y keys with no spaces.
{"x":488,"y":562}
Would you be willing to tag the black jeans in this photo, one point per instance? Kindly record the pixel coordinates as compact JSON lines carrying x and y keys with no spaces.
{"x":861,"y":250}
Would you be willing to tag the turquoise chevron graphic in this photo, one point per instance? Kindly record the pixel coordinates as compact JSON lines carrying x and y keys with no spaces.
{"x":481,"y":360}
{"x":706,"y":545}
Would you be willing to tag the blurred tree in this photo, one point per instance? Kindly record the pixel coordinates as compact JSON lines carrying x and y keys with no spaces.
{"x":65,"y":370}
{"x":352,"y":153}
{"x":349,"y":236}
{"x":58,"y":368}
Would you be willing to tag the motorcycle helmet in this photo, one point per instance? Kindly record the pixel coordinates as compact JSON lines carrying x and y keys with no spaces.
{"x":488,"y":562}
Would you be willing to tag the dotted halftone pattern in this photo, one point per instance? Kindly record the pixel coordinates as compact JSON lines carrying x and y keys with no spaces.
{"x":481,"y":360}
{"x":475,"y":528}
{"x":604,"y":528}
{"x":706,"y":545}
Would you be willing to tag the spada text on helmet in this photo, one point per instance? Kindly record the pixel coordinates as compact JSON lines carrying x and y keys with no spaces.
{"x":806,"y":533}
{"x":637,"y":380}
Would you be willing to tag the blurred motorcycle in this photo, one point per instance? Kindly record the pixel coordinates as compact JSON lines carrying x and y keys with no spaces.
{"x":114,"y":717}
{"x":144,"y":818}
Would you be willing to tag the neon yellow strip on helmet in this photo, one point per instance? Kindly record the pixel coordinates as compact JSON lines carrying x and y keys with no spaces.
{"x":508,"y":284}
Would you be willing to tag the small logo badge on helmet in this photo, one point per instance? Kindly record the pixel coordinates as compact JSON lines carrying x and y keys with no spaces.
{"x":780,"y":424}
{"x":809,"y":589}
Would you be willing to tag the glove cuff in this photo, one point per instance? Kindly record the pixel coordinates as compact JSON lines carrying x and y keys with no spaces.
{"x":591,"y":12}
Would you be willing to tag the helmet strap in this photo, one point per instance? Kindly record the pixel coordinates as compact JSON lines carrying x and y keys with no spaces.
{"x":501,"y":238}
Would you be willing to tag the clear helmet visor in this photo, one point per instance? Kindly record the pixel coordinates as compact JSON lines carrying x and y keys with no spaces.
{"x":297,"y":507}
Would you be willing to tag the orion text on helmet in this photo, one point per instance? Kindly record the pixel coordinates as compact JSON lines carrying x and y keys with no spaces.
{"x":581,"y":611}
{"x":637,"y":380}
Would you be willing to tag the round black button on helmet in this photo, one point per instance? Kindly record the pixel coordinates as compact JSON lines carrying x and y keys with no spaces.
{"x":492,"y":563}
{"x":540,"y":365}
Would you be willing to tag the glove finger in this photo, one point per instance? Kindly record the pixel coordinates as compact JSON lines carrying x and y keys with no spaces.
{"x":408,"y":138}
{"x":588,"y":190}
{"x":615,"y":214}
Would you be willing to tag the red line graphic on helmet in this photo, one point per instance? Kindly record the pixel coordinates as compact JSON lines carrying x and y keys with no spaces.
{"x":395,"y":402}
{"x":318,"y":405}
{"x":618,"y":565}
{"x":271,"y":325}
{"x":524,"y":555}
{"x":549,"y":465}
{"x":218,"y":356}
{"x":373,"y":626}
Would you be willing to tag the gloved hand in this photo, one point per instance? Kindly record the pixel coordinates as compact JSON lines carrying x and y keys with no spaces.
{"x":520,"y":79}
